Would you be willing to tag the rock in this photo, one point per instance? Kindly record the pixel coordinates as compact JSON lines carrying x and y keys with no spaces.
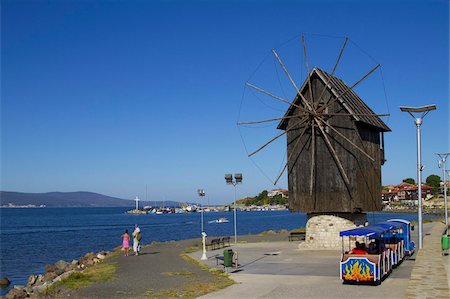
{"x":62,"y":276}
{"x":50,"y":268}
{"x":61,"y":264}
{"x":32,"y":280}
{"x":29,"y":290}
{"x":19,"y":287}
{"x":40,"y":288}
{"x":87,"y":260}
{"x":101,"y":256}
{"x":96,"y":260}
{"x":16,"y":294}
{"x":74,"y":262}
{"x":40,"y":278}
{"x":70,"y":267}
{"x":49,"y":276}
{"x":4,"y":282}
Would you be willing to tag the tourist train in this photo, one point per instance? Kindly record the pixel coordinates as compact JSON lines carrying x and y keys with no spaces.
{"x":377,"y":250}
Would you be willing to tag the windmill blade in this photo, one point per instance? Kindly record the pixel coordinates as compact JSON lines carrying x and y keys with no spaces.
{"x":313,"y":159}
{"x":292,"y":81}
{"x":290,"y":155}
{"x":346,"y":139}
{"x":347,"y":90}
{"x":307,"y":71}
{"x":278,"y":136}
{"x":334,"y":154}
{"x":273,"y":96}
{"x":334,"y":69}
{"x":271,"y":119}
{"x":356,"y":114}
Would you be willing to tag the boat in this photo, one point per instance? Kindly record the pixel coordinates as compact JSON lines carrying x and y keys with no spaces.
{"x":220,"y":220}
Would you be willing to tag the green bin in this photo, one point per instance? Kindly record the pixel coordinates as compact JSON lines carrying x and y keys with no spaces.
{"x":228,"y":257}
{"x":445,"y":242}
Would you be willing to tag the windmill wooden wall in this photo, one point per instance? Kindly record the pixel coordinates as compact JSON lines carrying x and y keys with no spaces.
{"x":330,"y":193}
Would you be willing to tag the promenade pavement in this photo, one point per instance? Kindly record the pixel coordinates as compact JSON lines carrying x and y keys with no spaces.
{"x":281,"y":270}
{"x":430,"y":277}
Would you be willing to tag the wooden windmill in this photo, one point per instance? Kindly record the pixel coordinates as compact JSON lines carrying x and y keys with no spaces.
{"x":335,"y":145}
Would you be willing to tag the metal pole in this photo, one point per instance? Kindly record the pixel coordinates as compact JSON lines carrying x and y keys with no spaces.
{"x":201,"y":207}
{"x":418,"y":122}
{"x":445,"y":195}
{"x":235,"y":228}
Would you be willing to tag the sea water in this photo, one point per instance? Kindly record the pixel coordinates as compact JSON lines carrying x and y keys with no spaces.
{"x":32,"y":238}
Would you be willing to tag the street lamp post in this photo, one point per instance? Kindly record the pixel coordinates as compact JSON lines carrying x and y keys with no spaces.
{"x":234,"y":181}
{"x":418,"y":122}
{"x":201,"y":193}
{"x":441,"y":163}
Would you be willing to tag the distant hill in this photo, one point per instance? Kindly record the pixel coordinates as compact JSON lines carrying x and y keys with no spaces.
{"x":72,"y":200}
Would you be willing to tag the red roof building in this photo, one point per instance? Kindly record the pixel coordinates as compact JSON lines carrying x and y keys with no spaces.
{"x":404,"y":191}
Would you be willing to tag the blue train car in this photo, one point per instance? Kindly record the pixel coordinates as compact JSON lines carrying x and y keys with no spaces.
{"x":405,"y":235}
{"x":364,"y":264}
{"x":393,"y":241}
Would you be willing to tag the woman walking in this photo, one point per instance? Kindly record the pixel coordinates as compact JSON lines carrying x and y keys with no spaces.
{"x":136,"y":239}
{"x":125,"y":243}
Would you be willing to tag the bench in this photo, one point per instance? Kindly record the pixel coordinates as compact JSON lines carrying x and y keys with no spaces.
{"x":297,"y":236}
{"x":219,"y":243}
{"x":214,"y":244}
{"x":225,"y":241}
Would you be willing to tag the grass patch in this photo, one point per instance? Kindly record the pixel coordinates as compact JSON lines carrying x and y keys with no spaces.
{"x":433,"y":220}
{"x":97,"y":273}
{"x":191,"y":249}
{"x":193,"y":288}
{"x":194,"y":261}
{"x":299,"y":230}
{"x":186,"y":273}
{"x":273,"y":232}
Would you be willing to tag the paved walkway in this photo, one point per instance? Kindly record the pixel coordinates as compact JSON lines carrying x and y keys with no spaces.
{"x":281,"y":270}
{"x":430,"y":277}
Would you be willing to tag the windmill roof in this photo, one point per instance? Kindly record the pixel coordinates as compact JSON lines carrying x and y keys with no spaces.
{"x":350,"y":100}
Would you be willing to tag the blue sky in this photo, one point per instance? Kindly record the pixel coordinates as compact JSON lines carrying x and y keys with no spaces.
{"x":111,"y":96}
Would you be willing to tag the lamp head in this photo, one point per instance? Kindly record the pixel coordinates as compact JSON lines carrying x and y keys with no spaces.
{"x":229,"y":178}
{"x":418,"y":109}
{"x":238,"y":178}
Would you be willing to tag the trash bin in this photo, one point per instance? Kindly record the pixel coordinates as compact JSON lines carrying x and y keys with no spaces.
{"x":228,"y":257}
{"x":445,"y":242}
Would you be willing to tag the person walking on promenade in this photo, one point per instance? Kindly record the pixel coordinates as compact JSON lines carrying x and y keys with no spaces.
{"x":137,"y":236}
{"x":126,"y":243}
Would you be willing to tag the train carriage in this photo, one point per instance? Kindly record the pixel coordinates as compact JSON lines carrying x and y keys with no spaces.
{"x":370,"y":266}
{"x":393,"y":241}
{"x":405,"y":236}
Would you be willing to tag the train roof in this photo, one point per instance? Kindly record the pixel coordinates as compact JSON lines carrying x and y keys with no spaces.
{"x":366,"y":231}
{"x":389,"y":225}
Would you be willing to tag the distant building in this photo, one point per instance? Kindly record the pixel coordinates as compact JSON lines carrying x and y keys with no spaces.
{"x":441,"y":187}
{"x":404,"y":192}
{"x":275,"y":192}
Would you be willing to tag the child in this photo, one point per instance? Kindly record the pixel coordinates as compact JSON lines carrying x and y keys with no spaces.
{"x":126,"y":242}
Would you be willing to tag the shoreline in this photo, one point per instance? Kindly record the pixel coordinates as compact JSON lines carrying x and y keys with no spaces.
{"x":39,"y":283}
{"x":241,"y":237}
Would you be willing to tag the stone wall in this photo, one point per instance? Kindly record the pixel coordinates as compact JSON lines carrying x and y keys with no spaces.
{"x":322,"y":230}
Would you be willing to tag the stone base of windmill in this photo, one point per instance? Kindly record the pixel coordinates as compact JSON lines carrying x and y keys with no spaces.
{"x":322,"y":230}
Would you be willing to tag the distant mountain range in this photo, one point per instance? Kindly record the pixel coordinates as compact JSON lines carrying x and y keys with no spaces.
{"x":73,"y":200}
